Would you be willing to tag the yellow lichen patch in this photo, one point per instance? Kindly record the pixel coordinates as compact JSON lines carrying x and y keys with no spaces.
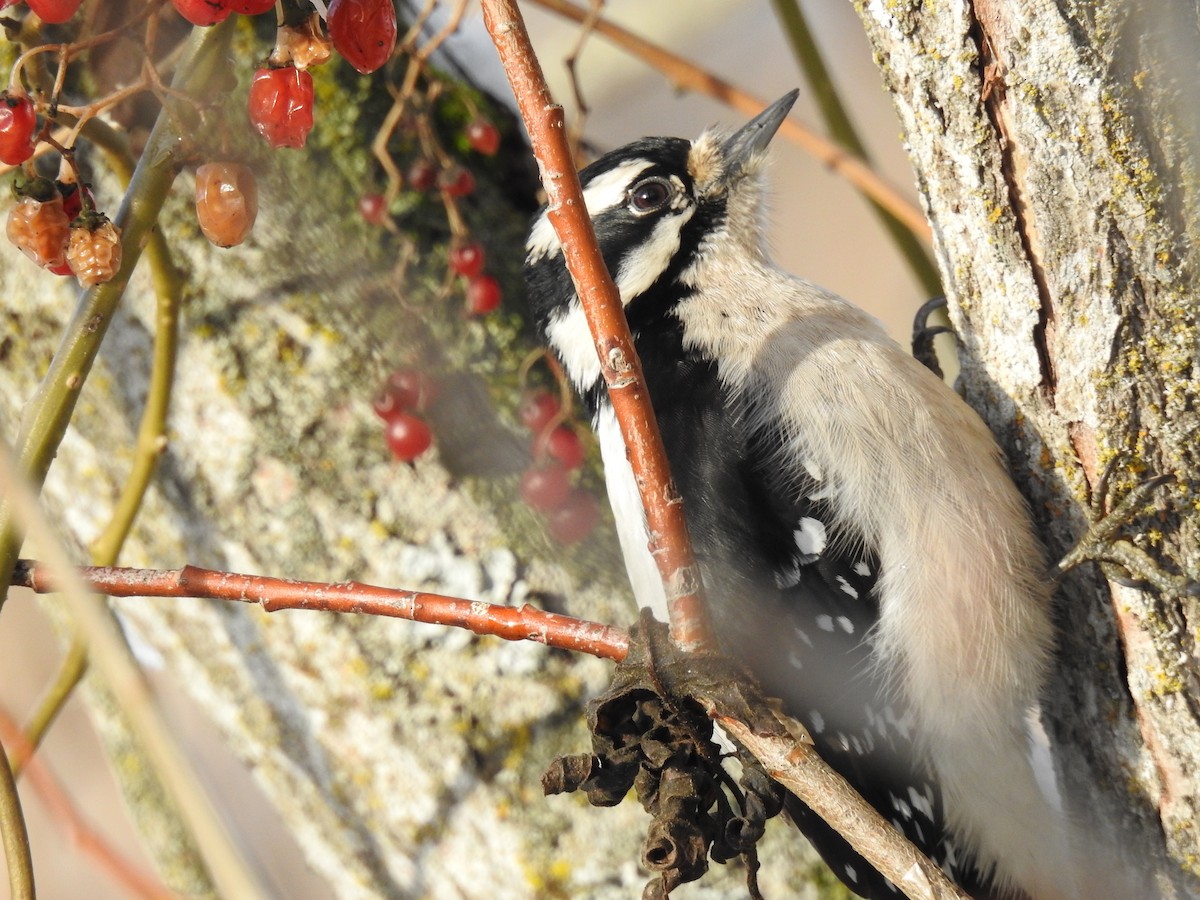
{"x":382,"y":690}
{"x":1164,"y":683}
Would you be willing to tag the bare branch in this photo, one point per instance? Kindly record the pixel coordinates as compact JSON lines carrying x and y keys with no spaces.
{"x":524,"y":623}
{"x":794,"y":763}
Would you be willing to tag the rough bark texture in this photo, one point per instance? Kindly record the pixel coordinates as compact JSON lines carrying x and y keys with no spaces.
{"x":1055,"y":146}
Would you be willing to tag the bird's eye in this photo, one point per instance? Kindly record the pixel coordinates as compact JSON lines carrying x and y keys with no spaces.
{"x":650,"y":195}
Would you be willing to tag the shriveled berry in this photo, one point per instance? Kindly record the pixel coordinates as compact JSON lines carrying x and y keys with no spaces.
{"x":373,"y":208}
{"x":467,"y":259}
{"x":563,"y":444}
{"x":408,"y":436}
{"x":203,"y":12}
{"x":537,"y":409}
{"x":226,"y":202}
{"x":17,"y":123}
{"x":40,"y":229}
{"x":483,"y":137}
{"x":94,"y":251}
{"x":575,"y":518}
{"x":421,"y":175}
{"x":483,"y":294}
{"x":301,"y":45}
{"x":250,"y":7}
{"x":54,"y":12}
{"x":456,"y":182}
{"x":363,"y":31}
{"x":545,"y":488}
{"x":281,"y":105}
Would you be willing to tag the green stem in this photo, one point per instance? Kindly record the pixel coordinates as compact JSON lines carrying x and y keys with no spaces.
{"x":17,"y":854}
{"x":50,"y":409}
{"x":152,"y":431}
{"x":70,"y":673}
{"x":833,"y":111}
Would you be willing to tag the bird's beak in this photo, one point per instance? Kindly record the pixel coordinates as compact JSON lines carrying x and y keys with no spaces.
{"x":752,"y":138}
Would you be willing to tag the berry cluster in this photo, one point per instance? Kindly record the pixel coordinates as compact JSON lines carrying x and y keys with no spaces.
{"x":405,"y":395}
{"x":55,"y":224}
{"x":453,"y":180}
{"x":571,"y":512}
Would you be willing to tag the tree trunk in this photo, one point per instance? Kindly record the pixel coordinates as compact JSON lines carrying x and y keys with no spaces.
{"x":1055,"y":144}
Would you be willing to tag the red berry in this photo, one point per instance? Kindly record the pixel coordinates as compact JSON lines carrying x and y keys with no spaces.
{"x":372,"y":208}
{"x":17,"y":122}
{"x":226,"y":202}
{"x":408,"y":436}
{"x":575,"y":519}
{"x":563,"y":444}
{"x":483,"y":294}
{"x":202,"y":12}
{"x":456,"y":182}
{"x":250,"y":7}
{"x":281,"y":105}
{"x":467,"y":259}
{"x":404,"y":389}
{"x":483,"y":137}
{"x":421,"y":175}
{"x":363,"y":31}
{"x":73,"y":194}
{"x":537,"y":409}
{"x":54,"y":11}
{"x":545,"y":487}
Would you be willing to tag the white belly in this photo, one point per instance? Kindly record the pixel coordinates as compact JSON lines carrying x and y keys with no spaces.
{"x":631,"y":518}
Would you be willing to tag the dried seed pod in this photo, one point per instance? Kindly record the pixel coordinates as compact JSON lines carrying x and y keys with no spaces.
{"x":94,"y":251}
{"x":226,"y":202}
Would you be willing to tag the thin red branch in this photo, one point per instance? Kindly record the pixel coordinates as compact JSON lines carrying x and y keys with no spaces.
{"x":669,"y":540}
{"x":523,"y":623}
{"x":81,"y":834}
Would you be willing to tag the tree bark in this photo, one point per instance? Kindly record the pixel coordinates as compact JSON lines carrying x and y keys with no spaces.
{"x":1055,"y":145}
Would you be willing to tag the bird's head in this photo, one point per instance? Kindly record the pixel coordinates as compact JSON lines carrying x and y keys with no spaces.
{"x":658,"y":206}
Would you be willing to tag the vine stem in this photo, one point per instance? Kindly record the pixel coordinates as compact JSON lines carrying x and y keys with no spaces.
{"x":670,"y":544}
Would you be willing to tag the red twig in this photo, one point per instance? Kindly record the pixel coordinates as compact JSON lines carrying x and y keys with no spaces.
{"x":77,"y":829}
{"x":669,"y":541}
{"x":524,"y":623}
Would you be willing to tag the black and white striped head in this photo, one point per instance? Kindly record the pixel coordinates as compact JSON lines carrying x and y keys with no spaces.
{"x":657,"y":206}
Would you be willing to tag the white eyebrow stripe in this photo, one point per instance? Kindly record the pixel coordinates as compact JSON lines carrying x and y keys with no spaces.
{"x":603,"y":192}
{"x":641,"y":269}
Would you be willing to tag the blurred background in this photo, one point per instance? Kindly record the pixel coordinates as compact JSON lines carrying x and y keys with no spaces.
{"x":820,"y":228}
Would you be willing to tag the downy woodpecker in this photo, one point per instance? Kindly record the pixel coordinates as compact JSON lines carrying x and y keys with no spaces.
{"x":862,"y":546}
